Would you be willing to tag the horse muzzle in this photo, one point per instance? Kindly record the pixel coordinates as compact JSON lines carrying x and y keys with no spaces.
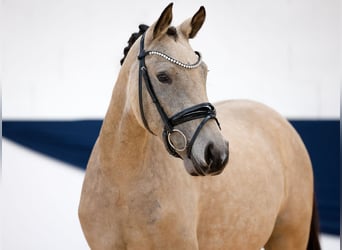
{"x":213,"y":163}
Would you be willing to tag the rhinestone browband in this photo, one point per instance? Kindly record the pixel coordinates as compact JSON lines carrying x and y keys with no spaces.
{"x":175,"y":61}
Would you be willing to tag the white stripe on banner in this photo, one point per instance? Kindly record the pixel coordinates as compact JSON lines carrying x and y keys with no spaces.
{"x":40,"y":201}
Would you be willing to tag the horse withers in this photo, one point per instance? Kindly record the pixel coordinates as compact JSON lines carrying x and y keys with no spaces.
{"x":157,"y":175}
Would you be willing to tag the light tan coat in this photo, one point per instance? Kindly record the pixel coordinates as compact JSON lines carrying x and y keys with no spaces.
{"x":136,"y":196}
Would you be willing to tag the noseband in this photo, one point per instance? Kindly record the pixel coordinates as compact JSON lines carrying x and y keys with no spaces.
{"x":204,"y":111}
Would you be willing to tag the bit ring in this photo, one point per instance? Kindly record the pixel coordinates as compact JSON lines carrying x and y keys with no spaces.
{"x":171,"y":143}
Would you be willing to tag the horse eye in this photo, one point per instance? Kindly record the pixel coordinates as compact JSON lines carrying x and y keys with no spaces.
{"x":164,"y":78}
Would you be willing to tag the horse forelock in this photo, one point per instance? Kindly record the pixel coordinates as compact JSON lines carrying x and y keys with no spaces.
{"x":172,"y":31}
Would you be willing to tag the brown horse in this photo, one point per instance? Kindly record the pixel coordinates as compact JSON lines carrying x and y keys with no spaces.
{"x":139,"y":195}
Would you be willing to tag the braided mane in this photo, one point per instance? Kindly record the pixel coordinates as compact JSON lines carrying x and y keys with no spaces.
{"x":171,"y":31}
{"x":132,"y":39}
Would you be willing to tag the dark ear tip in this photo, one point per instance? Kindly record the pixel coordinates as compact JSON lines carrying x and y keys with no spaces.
{"x":202,"y":9}
{"x":201,"y":12}
{"x":168,"y":9}
{"x":163,"y":21}
{"x":197,"y":21}
{"x":169,"y":6}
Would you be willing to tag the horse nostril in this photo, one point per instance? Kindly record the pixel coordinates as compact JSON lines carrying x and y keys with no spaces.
{"x":208,"y":154}
{"x":216,"y":158}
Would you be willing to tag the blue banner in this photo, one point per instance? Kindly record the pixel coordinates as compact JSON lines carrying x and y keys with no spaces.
{"x":72,"y":142}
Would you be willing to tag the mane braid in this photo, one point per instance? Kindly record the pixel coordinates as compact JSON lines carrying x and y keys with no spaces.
{"x":132,"y":39}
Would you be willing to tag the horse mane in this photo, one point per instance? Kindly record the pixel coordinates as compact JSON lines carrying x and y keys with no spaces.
{"x":132,"y":39}
{"x":142,"y":28}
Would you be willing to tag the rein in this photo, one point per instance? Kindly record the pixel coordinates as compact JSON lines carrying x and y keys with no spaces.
{"x":205,"y":111}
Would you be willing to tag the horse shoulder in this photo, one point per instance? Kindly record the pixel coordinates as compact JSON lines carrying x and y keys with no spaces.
{"x":97,"y":203}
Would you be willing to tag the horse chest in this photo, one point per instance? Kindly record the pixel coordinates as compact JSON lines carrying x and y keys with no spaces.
{"x":143,"y":207}
{"x":152,"y":208}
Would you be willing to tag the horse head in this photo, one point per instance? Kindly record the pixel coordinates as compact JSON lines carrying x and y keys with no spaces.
{"x":167,"y":92}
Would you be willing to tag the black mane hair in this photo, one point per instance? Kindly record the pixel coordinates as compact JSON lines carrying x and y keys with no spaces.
{"x":132,"y":39}
{"x":142,"y":28}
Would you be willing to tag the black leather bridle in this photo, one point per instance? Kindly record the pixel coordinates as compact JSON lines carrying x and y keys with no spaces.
{"x":205,"y":111}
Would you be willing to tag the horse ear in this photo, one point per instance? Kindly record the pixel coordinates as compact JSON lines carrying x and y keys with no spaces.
{"x":163,"y":22}
{"x":191,"y":26}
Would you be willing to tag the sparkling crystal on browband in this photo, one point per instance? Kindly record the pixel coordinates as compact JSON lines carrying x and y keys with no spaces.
{"x":175,"y":61}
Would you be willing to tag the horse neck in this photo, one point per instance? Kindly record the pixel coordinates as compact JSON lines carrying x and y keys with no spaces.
{"x":122,"y":143}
